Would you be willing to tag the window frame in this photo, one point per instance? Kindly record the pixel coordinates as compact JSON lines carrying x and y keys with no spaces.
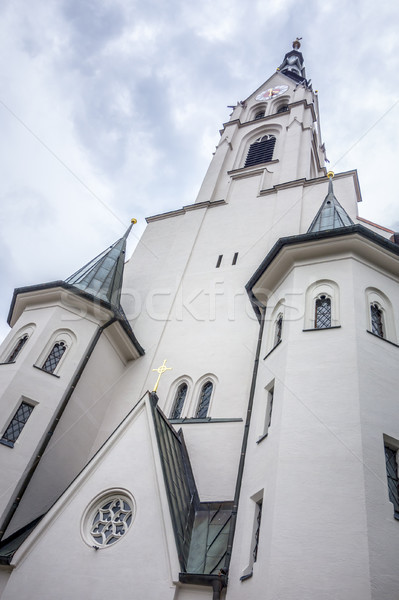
{"x":376,"y":297}
{"x":322,"y":287}
{"x":265,"y":151}
{"x":65,"y":336}
{"x":393,"y":496}
{"x":11,"y":443}
{"x":199,"y":401}
{"x":176,"y":398}
{"x":27,"y":330}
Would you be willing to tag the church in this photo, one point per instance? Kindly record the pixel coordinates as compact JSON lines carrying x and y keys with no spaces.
{"x":215,"y":416}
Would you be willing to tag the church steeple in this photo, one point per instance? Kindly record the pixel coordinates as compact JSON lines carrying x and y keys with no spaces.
{"x":293,"y":63}
{"x":102,"y":276}
{"x":330,"y":215}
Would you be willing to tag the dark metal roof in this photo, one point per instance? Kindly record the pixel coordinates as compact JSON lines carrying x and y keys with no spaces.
{"x":9,"y":546}
{"x":102,"y":276}
{"x":330,"y":215}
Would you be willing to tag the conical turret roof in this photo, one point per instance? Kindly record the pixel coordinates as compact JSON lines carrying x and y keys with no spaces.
{"x":102,"y":276}
{"x":331,"y":215}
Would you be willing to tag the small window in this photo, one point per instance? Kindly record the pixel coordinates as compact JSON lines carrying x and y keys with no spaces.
{"x":258,"y":518}
{"x":259,"y":115}
{"x":261,"y":151}
{"x":17,"y":348}
{"x":391,"y":462}
{"x":51,"y":362}
{"x":205,"y":398}
{"x":322,"y":312}
{"x":278,"y":329}
{"x":234,"y":261}
{"x":269,"y":409}
{"x":219,"y":261}
{"x":17,"y":424}
{"x":377,"y":323}
{"x":179,"y":401}
{"x":282,"y":109}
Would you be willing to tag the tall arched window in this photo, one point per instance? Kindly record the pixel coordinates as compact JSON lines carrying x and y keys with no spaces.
{"x":322,"y":312}
{"x":261,"y":150}
{"x":178,"y":404}
{"x":278,"y":329}
{"x":51,"y":362}
{"x":377,"y":320}
{"x":17,"y":348}
{"x":205,"y":398}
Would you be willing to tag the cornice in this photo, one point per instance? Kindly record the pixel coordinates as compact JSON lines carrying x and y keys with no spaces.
{"x":185,"y":209}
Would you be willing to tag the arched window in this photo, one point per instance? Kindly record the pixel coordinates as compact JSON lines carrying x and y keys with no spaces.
{"x":17,"y":348}
{"x":205,"y":398}
{"x":283,"y":108}
{"x":322,"y":318}
{"x":259,"y":115}
{"x":261,"y":150}
{"x":51,"y":362}
{"x":178,"y":404}
{"x":278,"y":329}
{"x":377,"y":320}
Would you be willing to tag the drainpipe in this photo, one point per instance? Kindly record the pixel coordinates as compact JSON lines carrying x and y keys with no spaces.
{"x":262,"y":310}
{"x":53,"y":424}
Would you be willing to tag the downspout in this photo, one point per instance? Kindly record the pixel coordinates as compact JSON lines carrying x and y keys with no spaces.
{"x":244,"y":446}
{"x":53,"y":424}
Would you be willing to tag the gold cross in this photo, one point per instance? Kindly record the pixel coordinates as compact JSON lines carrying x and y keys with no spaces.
{"x":161,"y":370}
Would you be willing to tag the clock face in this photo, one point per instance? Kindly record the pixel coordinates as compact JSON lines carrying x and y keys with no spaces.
{"x":272,"y":92}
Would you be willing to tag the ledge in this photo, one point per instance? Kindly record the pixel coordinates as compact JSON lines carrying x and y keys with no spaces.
{"x":44,"y":371}
{"x":262,"y":437}
{"x":323,"y":328}
{"x":274,"y":347}
{"x":247,"y":576}
{"x":186,"y":421}
{"x":10,"y":362}
{"x":381,"y":338}
{"x":7,"y":443}
{"x":203,"y":579}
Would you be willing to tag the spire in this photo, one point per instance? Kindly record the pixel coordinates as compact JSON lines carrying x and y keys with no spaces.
{"x":293,"y":63}
{"x":331,"y":215}
{"x":102,"y":276}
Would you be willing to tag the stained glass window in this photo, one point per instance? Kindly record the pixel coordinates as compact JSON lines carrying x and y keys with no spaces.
{"x":278,"y":330}
{"x":179,"y":401}
{"x":54,"y":357}
{"x":110,"y":520}
{"x":261,"y":151}
{"x":17,"y":424}
{"x":322,"y":312}
{"x":17,"y":348}
{"x":377,"y":326}
{"x":205,"y":398}
{"x":391,"y":462}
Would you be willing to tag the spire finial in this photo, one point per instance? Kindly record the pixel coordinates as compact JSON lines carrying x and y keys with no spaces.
{"x":132,"y":222}
{"x":330,"y":174}
{"x":296,"y":44}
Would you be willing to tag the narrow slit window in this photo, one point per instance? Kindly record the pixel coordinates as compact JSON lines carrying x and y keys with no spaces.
{"x":261,"y":151}
{"x":269,"y":409}
{"x":322,"y":312}
{"x":391,"y":461}
{"x":219,"y":261}
{"x":54,"y":357}
{"x":377,"y":324}
{"x":234,"y":261}
{"x":205,"y":398}
{"x":179,"y":401}
{"x":17,"y":424}
{"x":17,"y":348}
{"x":258,"y":519}
{"x":278,"y":329}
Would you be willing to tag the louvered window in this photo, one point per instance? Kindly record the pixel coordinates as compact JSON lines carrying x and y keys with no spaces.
{"x":179,"y":401}
{"x":377,"y":326}
{"x":205,"y":399}
{"x":261,"y":150}
{"x":54,"y":357}
{"x":17,"y":424}
{"x":17,"y":349}
{"x":391,"y":463}
{"x":322,"y":312}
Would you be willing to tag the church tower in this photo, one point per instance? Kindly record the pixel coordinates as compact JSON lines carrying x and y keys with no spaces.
{"x":265,"y":462}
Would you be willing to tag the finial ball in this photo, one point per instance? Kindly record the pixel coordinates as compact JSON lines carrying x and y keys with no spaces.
{"x":134,"y":221}
{"x":330,"y":174}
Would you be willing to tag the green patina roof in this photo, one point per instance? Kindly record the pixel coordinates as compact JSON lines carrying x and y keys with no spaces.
{"x":331,"y":215}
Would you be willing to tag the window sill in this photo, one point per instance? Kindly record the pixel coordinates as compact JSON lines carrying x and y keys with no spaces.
{"x":10,"y":362}
{"x":274,"y":347}
{"x":44,"y":371}
{"x":206,"y":420}
{"x":381,"y":338}
{"x":262,"y":437}
{"x":323,"y":328}
{"x":251,"y":170}
{"x":247,"y":576}
{"x":7,"y":443}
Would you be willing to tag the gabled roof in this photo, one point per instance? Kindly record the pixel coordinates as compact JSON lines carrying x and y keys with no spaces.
{"x":331,"y":215}
{"x":102,"y":276}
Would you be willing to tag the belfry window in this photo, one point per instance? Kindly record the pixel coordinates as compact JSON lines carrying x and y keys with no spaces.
{"x":282,"y":109}
{"x":377,"y":324}
{"x":51,"y":362}
{"x":322,"y":312}
{"x":260,"y":151}
{"x":17,"y":348}
{"x":205,"y":398}
{"x":17,"y":424}
{"x":391,"y":462}
{"x":259,"y":115}
{"x":179,"y":401}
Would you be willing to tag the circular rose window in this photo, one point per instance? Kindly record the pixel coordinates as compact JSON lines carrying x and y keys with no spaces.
{"x":108,"y":519}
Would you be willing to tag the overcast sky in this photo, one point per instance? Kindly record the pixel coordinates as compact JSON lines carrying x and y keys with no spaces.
{"x":110,"y":109}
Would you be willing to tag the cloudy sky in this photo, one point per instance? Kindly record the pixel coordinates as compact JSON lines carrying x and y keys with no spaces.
{"x":110,"y":109}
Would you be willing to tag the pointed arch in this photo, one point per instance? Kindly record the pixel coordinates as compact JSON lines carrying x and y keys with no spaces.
{"x":179,"y":400}
{"x":204,"y":400}
{"x":18,"y":342}
{"x":261,"y":150}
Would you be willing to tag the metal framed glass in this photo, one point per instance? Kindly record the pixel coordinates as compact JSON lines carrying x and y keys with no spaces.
{"x":391,"y":462}
{"x":17,"y":348}
{"x":323,"y":312}
{"x":17,"y":424}
{"x":179,"y":401}
{"x":377,"y":325}
{"x":278,"y":330}
{"x":54,"y":357}
{"x":205,"y":398}
{"x":108,"y":519}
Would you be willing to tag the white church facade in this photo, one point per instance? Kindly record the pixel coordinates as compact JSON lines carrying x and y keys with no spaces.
{"x":265,"y":463}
